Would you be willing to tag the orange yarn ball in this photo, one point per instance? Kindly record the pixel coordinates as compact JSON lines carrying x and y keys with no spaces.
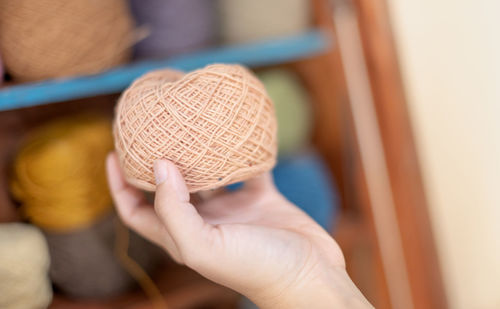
{"x":217,"y":124}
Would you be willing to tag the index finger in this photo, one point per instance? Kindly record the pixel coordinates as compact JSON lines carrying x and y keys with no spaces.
{"x":131,"y":204}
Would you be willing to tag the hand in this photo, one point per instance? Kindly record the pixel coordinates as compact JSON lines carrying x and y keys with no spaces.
{"x":253,"y":240}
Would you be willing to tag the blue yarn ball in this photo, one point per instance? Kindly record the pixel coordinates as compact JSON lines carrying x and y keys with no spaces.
{"x":305,"y":181}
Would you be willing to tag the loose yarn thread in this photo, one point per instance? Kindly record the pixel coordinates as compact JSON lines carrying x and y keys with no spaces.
{"x":59,"y":178}
{"x":88,"y":263}
{"x":134,"y":268}
{"x":42,"y":39}
{"x":217,"y":124}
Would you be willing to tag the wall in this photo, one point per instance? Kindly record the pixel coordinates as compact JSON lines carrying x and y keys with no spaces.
{"x":450,"y":59}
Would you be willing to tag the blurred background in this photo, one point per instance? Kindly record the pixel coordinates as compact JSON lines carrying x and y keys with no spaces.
{"x":388,"y":138}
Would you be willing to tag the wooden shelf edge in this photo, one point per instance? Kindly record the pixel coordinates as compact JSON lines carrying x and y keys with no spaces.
{"x":262,"y":53}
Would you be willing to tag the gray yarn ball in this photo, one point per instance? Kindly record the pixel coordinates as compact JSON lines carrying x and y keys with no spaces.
{"x":84,"y":264}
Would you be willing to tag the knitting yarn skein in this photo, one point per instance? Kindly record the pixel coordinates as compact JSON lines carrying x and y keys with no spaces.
{"x":55,"y":38}
{"x":245,"y":21}
{"x":58,"y":174}
{"x":293,"y":110}
{"x":175,"y":26}
{"x":59,"y":178}
{"x":217,"y":124}
{"x":24,"y":266}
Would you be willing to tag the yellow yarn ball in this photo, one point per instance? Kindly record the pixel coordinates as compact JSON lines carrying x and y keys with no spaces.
{"x":59,"y":174}
{"x":24,"y":266}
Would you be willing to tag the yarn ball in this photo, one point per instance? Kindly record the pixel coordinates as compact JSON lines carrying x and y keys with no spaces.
{"x":24,"y":266}
{"x":246,"y":21}
{"x":54,"y":38}
{"x":58,"y":175}
{"x":175,"y":26}
{"x":217,"y":124}
{"x":293,"y":110}
{"x":306,"y":182}
{"x":84,"y":263}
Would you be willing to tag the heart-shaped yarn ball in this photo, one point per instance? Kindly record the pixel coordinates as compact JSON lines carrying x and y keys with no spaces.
{"x":217,"y":124}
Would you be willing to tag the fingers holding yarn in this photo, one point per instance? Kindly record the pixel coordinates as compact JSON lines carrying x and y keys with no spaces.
{"x":181,"y":219}
{"x":217,"y":124}
{"x":135,"y":212}
{"x":131,"y":205}
{"x":123,"y":194}
{"x":166,"y":171}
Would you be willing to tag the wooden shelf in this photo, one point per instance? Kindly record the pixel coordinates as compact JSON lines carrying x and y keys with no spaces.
{"x":181,"y":287}
{"x":262,"y":53}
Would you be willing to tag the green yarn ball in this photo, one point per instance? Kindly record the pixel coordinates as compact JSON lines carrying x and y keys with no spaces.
{"x":243,"y":21}
{"x":293,"y":110}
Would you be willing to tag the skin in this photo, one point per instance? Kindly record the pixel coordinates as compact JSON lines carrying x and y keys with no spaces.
{"x":253,"y":241}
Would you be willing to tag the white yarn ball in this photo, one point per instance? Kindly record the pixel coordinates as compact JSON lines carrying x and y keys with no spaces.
{"x":24,"y":266}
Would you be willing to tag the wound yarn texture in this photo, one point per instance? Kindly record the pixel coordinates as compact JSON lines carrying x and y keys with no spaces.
{"x":42,"y":39}
{"x":217,"y":124}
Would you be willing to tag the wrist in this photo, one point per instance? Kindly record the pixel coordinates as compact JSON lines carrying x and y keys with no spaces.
{"x":333,"y":290}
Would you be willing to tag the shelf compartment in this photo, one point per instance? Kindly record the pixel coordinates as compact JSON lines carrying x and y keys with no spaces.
{"x":262,"y":53}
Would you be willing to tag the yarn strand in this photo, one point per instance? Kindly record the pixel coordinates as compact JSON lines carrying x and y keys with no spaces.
{"x":134,"y":269}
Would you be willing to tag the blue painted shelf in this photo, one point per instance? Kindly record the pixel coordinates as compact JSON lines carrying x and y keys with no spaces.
{"x":113,"y":81}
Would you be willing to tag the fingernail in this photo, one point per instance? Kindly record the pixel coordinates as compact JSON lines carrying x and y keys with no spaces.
{"x":160,"y":170}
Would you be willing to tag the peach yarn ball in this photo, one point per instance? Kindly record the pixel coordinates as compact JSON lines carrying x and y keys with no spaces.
{"x":42,"y":39}
{"x":217,"y":124}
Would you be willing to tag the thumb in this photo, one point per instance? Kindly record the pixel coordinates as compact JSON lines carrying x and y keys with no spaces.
{"x":180,"y":218}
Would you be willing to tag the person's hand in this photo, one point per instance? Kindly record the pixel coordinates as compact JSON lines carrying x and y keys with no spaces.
{"x":253,"y":241}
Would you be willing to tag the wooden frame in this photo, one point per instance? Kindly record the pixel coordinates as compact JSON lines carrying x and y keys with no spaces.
{"x":395,"y":125}
{"x":336,"y":139}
